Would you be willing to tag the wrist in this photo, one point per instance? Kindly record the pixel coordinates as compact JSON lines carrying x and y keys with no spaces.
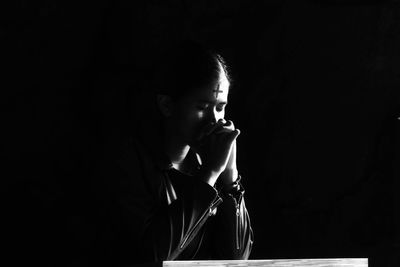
{"x":208,"y":176}
{"x":235,"y":186}
{"x":229,"y":176}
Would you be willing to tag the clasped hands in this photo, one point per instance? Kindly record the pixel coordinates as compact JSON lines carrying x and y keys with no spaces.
{"x":216,"y":146}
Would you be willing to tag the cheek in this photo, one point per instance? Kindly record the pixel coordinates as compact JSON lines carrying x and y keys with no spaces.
{"x":221,"y":115}
{"x":192,"y":121}
{"x":200,"y":116}
{"x":197,"y":122}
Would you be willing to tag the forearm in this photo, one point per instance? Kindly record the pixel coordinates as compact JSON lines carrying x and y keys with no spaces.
{"x":234,"y":237}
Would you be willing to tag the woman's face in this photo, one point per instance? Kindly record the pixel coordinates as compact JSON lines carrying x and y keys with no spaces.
{"x":200,"y":108}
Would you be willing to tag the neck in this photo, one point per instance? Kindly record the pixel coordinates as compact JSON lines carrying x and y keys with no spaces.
{"x":175,"y":150}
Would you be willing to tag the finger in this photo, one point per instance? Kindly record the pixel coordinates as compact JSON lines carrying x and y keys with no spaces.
{"x":228,"y":136}
{"x":233,"y":135}
{"x":216,"y":126}
{"x":227,"y":127}
{"x":228,"y":123}
{"x":227,"y":140}
{"x":204,"y":143}
{"x":205,"y":130}
{"x":211,"y":129}
{"x":222,"y":130}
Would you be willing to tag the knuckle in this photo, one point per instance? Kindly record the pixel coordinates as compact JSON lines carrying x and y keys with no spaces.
{"x":230,"y":123}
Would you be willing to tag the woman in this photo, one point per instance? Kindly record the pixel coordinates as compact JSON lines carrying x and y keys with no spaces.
{"x":176,"y":193}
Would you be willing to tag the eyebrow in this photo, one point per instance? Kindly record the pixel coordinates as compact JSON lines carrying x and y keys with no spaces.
{"x":211,"y":102}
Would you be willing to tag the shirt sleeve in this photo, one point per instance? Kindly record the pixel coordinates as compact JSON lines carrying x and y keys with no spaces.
{"x":229,"y":234}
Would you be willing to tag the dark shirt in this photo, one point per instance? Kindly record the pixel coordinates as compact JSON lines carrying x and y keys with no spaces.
{"x":152,"y":212}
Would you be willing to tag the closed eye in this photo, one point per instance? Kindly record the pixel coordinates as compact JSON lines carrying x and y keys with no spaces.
{"x":202,"y":106}
{"x":221,"y":107}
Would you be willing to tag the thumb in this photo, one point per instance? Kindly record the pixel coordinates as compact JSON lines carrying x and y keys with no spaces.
{"x":233,"y":135}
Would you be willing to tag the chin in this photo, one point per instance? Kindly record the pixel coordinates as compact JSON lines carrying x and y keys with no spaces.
{"x":192,"y":143}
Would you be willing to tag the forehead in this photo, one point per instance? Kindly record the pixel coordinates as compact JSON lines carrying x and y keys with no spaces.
{"x":217,"y":91}
{"x":222,"y":87}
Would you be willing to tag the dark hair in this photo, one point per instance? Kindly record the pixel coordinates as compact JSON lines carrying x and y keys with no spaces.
{"x":187,"y":67}
{"x":178,"y":72}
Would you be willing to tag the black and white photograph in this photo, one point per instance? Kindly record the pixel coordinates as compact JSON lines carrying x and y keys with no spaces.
{"x":160,"y":133}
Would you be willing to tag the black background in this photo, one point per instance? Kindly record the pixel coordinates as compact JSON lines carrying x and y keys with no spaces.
{"x":315,"y":94}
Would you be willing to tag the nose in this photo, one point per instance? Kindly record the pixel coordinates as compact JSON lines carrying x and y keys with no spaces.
{"x":215,"y":115}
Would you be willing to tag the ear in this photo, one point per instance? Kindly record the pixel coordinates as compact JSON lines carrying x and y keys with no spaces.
{"x":165,"y":105}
